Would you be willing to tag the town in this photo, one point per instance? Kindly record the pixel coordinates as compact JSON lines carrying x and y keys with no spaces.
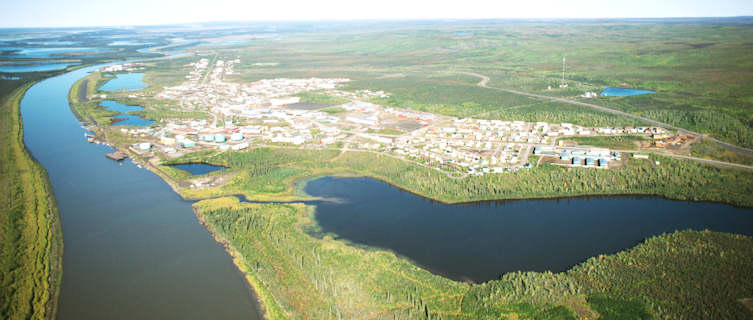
{"x":267,"y":113}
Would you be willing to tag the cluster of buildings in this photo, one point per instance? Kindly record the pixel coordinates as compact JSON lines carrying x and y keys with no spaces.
{"x":206,"y":88}
{"x":125,"y":67}
{"x":265,"y":113}
{"x":579,"y":157}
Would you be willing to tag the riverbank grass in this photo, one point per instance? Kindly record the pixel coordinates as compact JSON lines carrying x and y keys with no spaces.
{"x":31,"y":243}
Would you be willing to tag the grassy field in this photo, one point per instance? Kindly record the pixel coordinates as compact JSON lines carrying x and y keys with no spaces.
{"x":31,"y":244}
{"x":618,"y":142}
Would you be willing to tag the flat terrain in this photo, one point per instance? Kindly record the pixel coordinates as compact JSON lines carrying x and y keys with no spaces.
{"x":422,"y":80}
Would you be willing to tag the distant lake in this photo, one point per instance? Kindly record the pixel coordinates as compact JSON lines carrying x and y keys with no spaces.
{"x":482,"y":240}
{"x":197,"y":169}
{"x":119,"y":107}
{"x":129,"y":43}
{"x":223,"y":43}
{"x":31,"y":52}
{"x":624,"y":92}
{"x":33,"y":67}
{"x":130,"y":120}
{"x":125,"y":81}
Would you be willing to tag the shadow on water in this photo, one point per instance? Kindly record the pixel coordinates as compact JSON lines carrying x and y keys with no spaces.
{"x":480,"y":241}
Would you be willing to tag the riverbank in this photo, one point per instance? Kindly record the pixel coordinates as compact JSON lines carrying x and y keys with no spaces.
{"x":32,"y":241}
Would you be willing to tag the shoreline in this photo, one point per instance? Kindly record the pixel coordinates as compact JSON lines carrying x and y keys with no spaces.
{"x":258,"y":292}
{"x":55,"y":242}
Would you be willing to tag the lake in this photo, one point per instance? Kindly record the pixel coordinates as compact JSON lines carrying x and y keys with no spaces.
{"x":133,"y":248}
{"x":125,"y":82}
{"x":128,"y":43}
{"x":623,"y":92}
{"x":119,"y":107}
{"x":33,"y":52}
{"x":480,"y":241}
{"x":197,"y":169}
{"x":130,"y":120}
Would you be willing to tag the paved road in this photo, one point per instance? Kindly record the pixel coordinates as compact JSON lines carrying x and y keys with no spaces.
{"x":731,"y":147}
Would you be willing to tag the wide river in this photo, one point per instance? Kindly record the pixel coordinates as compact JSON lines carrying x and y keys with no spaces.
{"x":133,"y":248}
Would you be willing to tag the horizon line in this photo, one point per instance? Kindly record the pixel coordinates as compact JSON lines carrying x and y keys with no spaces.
{"x":186,"y":24}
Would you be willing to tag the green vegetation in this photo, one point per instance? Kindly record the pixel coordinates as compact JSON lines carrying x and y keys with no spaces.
{"x":674,"y":178}
{"x":700,"y":69}
{"x":321,"y":97}
{"x":458,"y":95}
{"x":616,"y":142}
{"x":333,"y":110}
{"x":31,"y":245}
{"x":301,"y":276}
{"x":699,"y":275}
{"x":91,"y":111}
{"x":710,"y":150}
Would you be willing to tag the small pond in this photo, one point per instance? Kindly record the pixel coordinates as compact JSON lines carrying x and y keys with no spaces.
{"x":624,"y":92}
{"x":197,"y":169}
{"x":119,"y":107}
{"x":130,"y":120}
{"x":125,"y":81}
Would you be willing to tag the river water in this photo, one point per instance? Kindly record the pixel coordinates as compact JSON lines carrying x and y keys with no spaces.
{"x":133,"y":248}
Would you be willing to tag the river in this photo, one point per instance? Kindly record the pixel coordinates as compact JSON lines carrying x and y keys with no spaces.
{"x":133,"y":248}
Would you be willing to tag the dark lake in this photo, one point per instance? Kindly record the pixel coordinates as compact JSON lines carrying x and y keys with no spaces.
{"x":197,"y":169}
{"x":133,"y":248}
{"x":480,"y":241}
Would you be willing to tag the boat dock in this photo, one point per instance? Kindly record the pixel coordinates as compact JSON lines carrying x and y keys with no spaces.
{"x":117,"y":155}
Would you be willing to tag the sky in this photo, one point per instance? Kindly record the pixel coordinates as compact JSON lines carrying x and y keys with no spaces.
{"x":84,"y":13}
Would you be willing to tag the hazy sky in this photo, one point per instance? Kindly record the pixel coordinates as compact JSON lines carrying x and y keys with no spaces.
{"x":57,"y":13}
